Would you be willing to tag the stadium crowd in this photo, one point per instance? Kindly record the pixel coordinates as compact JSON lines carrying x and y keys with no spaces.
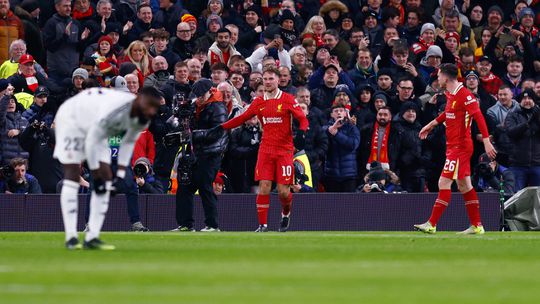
{"x":370,"y":63}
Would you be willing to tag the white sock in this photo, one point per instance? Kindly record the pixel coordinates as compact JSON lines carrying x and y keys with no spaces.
{"x":69,"y":202}
{"x":99,"y":204}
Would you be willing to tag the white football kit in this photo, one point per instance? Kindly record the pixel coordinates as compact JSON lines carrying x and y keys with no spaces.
{"x":85,"y":122}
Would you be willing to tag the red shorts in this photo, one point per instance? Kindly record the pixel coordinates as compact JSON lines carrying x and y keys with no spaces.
{"x":457,"y":164}
{"x":275,"y":167}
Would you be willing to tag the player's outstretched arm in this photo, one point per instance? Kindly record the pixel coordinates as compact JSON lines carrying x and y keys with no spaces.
{"x":239,"y":120}
{"x":481,"y":123}
{"x":428,"y":128}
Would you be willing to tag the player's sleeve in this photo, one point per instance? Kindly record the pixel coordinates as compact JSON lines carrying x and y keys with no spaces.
{"x":473,"y":108}
{"x":239,"y":120}
{"x":299,"y":115}
{"x":128,"y":144}
{"x":441,"y":118}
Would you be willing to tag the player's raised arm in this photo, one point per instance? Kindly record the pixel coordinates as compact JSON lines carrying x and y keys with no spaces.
{"x":239,"y":120}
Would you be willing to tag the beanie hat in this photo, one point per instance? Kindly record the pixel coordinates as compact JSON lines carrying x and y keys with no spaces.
{"x":215,"y":18}
{"x":256,"y":9}
{"x":526,"y":11}
{"x":497,"y":9}
{"x":126,"y":68}
{"x":30,"y":5}
{"x":188,"y":18}
{"x":119,"y":83}
{"x":81,"y":73}
{"x":220,"y":1}
{"x":3,"y":84}
{"x":381,"y":95}
{"x":384,"y":71}
{"x":434,"y":50}
{"x":105,"y":38}
{"x":286,"y":15}
{"x":343,"y":88}
{"x":426,"y":27}
{"x":452,"y":35}
{"x":527,"y":93}
{"x":409,"y":105}
{"x":200,"y":87}
{"x":472,"y":73}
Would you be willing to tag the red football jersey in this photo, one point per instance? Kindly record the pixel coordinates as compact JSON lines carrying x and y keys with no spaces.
{"x":275,"y":114}
{"x":461,"y":106}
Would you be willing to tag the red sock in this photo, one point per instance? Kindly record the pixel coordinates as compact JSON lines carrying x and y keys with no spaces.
{"x":286,"y":204}
{"x":473,"y":207}
{"x":441,"y":203}
{"x":263,"y":203}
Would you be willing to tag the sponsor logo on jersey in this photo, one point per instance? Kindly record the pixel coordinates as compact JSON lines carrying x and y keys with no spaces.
{"x":470,"y":100}
{"x":450,"y":115}
{"x":272,"y":120}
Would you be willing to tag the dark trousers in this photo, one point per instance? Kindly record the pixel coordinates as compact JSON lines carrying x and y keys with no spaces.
{"x":204,"y":173}
{"x":348,"y":185}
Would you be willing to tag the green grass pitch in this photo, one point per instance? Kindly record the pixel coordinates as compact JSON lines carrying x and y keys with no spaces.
{"x":295,"y":267}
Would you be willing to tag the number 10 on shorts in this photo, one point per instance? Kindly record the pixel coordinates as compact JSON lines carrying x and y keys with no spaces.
{"x":286,"y":170}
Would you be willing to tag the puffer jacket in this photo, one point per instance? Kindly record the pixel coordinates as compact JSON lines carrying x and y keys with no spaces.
{"x":525,"y":137}
{"x":11,"y":29}
{"x":211,"y":115}
{"x":10,"y":147}
{"x":341,"y":157}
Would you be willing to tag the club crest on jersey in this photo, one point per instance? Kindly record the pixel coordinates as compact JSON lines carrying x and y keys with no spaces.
{"x":279,"y":106}
{"x":453,"y":104}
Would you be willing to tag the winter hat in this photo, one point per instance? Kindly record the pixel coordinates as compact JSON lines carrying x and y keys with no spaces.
{"x":343,"y":88}
{"x":214,"y":18}
{"x":527,"y":93}
{"x":365,"y":87}
{"x":3,"y":84}
{"x":113,"y":27}
{"x":381,"y":95}
{"x":220,"y":176}
{"x":189,"y":18}
{"x":105,"y":38}
{"x":331,"y":66}
{"x":384,"y":71}
{"x":409,"y":105}
{"x":126,"y":68}
{"x":426,"y":27}
{"x":30,"y":5}
{"x":497,"y":9}
{"x":200,"y":87}
{"x":434,"y":50}
{"x":452,"y":35}
{"x":526,"y":11}
{"x":484,"y":58}
{"x":119,"y":83}
{"x":220,"y":1}
{"x":81,"y":73}
{"x":286,"y":15}
{"x":472,"y":73}
{"x":373,"y":14}
{"x":256,"y":9}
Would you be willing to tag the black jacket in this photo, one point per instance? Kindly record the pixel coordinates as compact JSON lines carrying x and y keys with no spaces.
{"x":164,"y":159}
{"x":172,"y":88}
{"x":40,"y":145}
{"x":182,"y":48}
{"x":212,"y":115}
{"x":241,"y":158}
{"x":525,"y":136}
{"x":316,"y":143}
{"x":410,"y":156}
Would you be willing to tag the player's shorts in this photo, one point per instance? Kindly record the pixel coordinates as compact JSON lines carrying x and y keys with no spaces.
{"x":275,"y":167}
{"x":70,"y":142}
{"x":457,"y":164}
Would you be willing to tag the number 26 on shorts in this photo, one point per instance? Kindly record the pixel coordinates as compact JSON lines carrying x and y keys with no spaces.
{"x":286,"y":170}
{"x":449,"y":166}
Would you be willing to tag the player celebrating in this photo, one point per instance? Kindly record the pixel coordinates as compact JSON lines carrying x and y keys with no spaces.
{"x":275,"y":159}
{"x":461,"y":105}
{"x":83,"y":126}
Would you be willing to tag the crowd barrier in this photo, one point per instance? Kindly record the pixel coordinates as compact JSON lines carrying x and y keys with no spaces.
{"x":237,"y":212}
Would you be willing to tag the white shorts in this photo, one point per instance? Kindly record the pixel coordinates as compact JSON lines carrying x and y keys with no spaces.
{"x":70,"y":142}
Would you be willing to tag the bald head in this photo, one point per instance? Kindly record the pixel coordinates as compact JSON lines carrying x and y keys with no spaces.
{"x":226,"y":91}
{"x":159,"y":64}
{"x":132,"y":82}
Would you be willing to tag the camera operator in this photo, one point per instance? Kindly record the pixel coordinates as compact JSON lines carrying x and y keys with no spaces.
{"x":38,"y":140}
{"x":210,"y":112}
{"x":489,"y":176}
{"x":15,"y":180}
{"x":144,"y":177}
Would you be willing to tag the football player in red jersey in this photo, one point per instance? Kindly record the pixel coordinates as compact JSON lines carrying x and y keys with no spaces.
{"x":275,"y":111}
{"x":461,"y":107}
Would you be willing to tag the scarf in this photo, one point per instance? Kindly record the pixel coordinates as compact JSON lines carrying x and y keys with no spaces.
{"x":215,"y":97}
{"x":80,"y":15}
{"x":31,"y":82}
{"x":383,"y":160}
